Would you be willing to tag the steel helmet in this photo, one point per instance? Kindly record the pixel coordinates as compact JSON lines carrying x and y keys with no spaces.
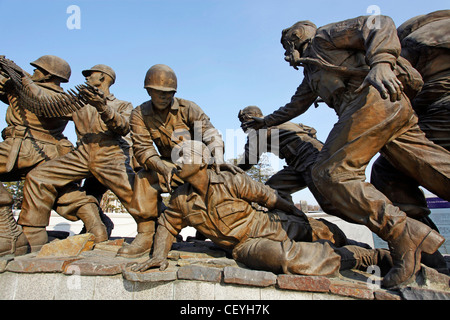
{"x":55,"y":66}
{"x":101,"y":68}
{"x":161,"y":77}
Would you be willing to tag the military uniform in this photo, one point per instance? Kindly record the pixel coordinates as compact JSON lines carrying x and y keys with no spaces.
{"x":185,"y":119}
{"x":367,"y":124}
{"x":98,"y":153}
{"x":261,"y":240}
{"x":154,"y":137}
{"x":425,"y":44}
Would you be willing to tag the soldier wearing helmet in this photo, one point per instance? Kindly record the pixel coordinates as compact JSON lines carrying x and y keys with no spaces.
{"x":102,"y":153}
{"x":157,"y":126}
{"x":356,"y":69}
{"x":29,"y":141}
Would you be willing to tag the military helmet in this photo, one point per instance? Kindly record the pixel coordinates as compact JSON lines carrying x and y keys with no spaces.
{"x":55,"y":66}
{"x":161,"y":77}
{"x":101,"y":68}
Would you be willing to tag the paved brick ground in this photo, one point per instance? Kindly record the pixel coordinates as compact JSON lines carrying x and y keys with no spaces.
{"x":197,"y":270}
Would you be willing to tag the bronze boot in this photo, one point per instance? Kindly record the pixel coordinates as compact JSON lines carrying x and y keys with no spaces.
{"x":93,"y":223}
{"x":12,"y":239}
{"x":356,"y":257}
{"x":143,"y":242}
{"x":36,"y":236}
{"x":406,"y":249}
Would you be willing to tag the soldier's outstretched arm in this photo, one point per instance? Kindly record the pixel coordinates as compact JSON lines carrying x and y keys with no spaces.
{"x":163,"y":243}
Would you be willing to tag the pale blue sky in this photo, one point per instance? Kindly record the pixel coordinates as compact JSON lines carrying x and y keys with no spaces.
{"x":226,"y":53}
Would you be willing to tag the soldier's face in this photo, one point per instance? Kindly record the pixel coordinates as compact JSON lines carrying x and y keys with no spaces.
{"x":245,"y":117}
{"x":161,"y":99}
{"x":187,"y":170}
{"x":94,"y":78}
{"x":39,"y":75}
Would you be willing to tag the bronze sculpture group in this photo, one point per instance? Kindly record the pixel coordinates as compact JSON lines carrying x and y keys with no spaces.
{"x":389,"y":88}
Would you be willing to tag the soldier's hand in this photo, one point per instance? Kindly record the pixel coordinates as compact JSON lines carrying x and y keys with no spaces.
{"x":151,"y":263}
{"x":227,"y":167}
{"x":384,"y":80}
{"x":299,"y":213}
{"x":4,"y":84}
{"x":167,"y":172}
{"x":256,"y":123}
{"x":95,"y":97}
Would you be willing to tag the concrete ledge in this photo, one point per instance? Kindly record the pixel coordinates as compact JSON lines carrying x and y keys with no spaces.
{"x":204,"y":273}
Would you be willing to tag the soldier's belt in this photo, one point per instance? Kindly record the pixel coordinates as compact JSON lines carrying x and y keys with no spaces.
{"x":25,"y":132}
{"x":18,"y":134}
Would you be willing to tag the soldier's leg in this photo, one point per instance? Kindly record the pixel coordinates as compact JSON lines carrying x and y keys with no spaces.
{"x":111,"y":168}
{"x":401,"y":189}
{"x":367,"y":125}
{"x":144,"y":208}
{"x":286,"y":181}
{"x":12,"y":239}
{"x":41,"y":190}
{"x":73,"y":203}
{"x":290,"y":257}
{"x":416,"y":156}
{"x":94,"y":188}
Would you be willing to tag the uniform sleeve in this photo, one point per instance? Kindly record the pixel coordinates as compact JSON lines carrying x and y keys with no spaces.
{"x":303,"y":98}
{"x":376,"y":35}
{"x":143,"y":147}
{"x":172,"y":217}
{"x":253,"y":191}
{"x":118,"y":120}
{"x":209,"y":134}
{"x":252,"y":153}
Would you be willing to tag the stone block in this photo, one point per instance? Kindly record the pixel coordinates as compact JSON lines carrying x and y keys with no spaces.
{"x":432,"y":279}
{"x":304,"y":283}
{"x":413,"y":293}
{"x":111,"y":245}
{"x":74,"y":287}
{"x":193,"y":272}
{"x":113,"y":288}
{"x":36,"y":265}
{"x":193,"y":290}
{"x":386,"y":295}
{"x":69,"y":247}
{"x":8,"y":282}
{"x":271,"y":293}
{"x":99,"y":266}
{"x":37,"y":286}
{"x":236,"y":292}
{"x":152,"y":275}
{"x":248,"y":277}
{"x":350,"y":289}
{"x":153,"y":290}
{"x":4,"y":262}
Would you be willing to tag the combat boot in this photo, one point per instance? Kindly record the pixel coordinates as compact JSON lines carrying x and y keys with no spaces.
{"x":406,"y":249}
{"x":356,"y":257}
{"x":36,"y":236}
{"x":12,"y":239}
{"x":143,"y":242}
{"x":93,"y":224}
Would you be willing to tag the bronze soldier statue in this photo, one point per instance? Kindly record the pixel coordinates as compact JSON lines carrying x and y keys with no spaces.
{"x":298,"y":145}
{"x":425,"y":45}
{"x":29,"y":141}
{"x":220,"y":207}
{"x":100,"y":128}
{"x":161,"y":123}
{"x":355,"y":67}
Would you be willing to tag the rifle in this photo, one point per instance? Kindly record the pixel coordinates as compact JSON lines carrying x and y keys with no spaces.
{"x":44,"y":106}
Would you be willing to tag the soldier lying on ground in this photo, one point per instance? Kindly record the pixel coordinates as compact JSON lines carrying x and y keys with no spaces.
{"x":220,"y":207}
